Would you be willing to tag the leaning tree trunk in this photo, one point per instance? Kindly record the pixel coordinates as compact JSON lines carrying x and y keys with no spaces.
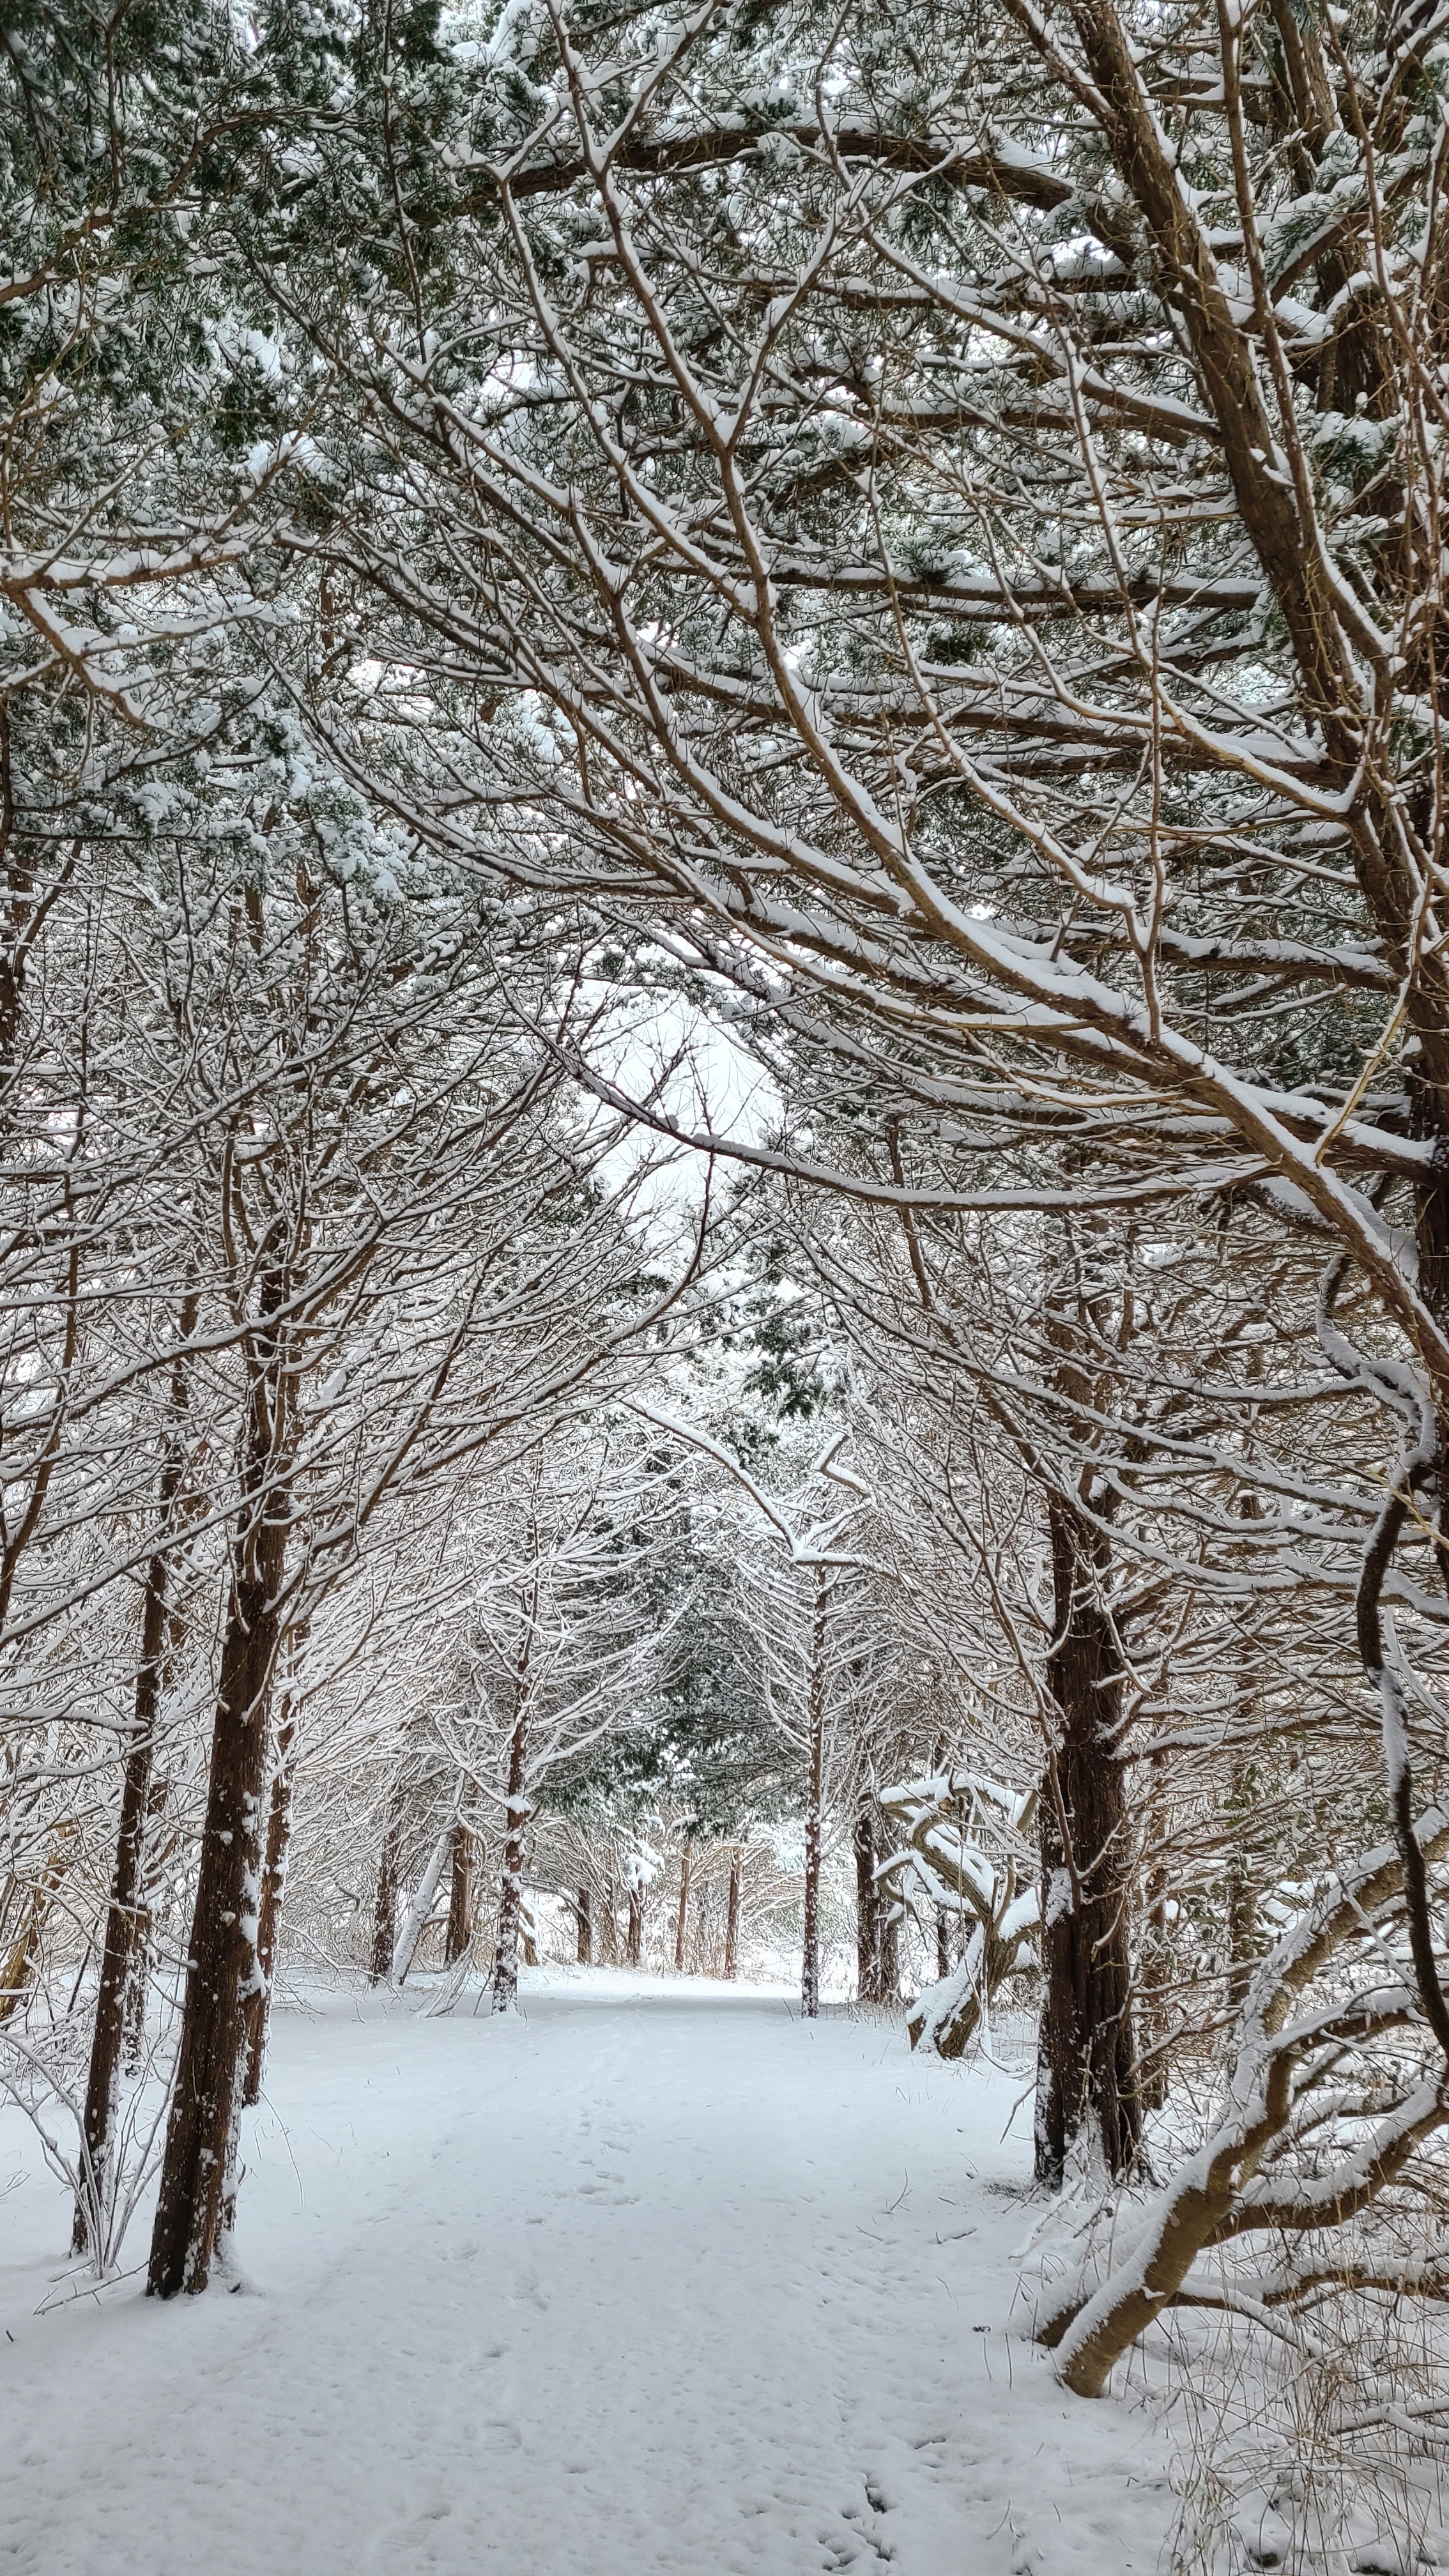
{"x":420,"y":1912}
{"x":124,"y":1931}
{"x":222,"y":1965}
{"x":810,"y":1961}
{"x":586,"y":1929}
{"x":459,"y":1938}
{"x":732,"y":1919}
{"x":1086,"y":2071}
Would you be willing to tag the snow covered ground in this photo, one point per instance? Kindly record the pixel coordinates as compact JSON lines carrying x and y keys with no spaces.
{"x":659,"y":2278}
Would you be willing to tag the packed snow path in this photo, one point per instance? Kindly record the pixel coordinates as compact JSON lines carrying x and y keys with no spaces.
{"x":659,"y":2278}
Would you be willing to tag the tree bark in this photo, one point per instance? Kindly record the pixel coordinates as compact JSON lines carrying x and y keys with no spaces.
{"x":459,"y":1938}
{"x":1086,"y":2075}
{"x":24,"y":1957}
{"x":810,"y":1961}
{"x":123,"y":1913}
{"x":890,"y":1954}
{"x":586,"y":1929}
{"x":636,"y":1924}
{"x":867,"y":1907}
{"x":420,"y":1912}
{"x":197,"y":2170}
{"x":384,"y":1913}
{"x":138,"y":1974}
{"x":274,"y":1883}
{"x":510,"y":1900}
{"x":732,"y":1919}
{"x":1242,"y":1910}
{"x":222,"y":1964}
{"x":686,"y":1863}
{"x":605,"y":1928}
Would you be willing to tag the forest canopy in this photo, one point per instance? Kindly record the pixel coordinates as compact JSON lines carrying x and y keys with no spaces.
{"x":724,"y":1059}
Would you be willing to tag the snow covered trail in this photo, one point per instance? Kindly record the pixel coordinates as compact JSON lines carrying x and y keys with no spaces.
{"x":660,"y":2279}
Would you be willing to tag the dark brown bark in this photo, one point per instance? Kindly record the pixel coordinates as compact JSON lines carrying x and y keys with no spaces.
{"x":1086,"y":2053}
{"x":890,"y":1954}
{"x":732,"y":1919}
{"x":636,"y":1924}
{"x":459,"y":1938}
{"x":586,"y":1929}
{"x":123,"y":1913}
{"x":108,"y":2036}
{"x":810,"y":1960}
{"x":384,"y":1912}
{"x":868,"y":1964}
{"x":222,"y":1967}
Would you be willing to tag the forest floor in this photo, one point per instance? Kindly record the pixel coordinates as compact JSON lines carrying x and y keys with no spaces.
{"x":655,"y":2278}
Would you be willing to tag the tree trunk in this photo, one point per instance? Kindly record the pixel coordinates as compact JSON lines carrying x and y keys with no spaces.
{"x":459,"y":1940}
{"x":732,"y":1919}
{"x":636,"y":1923}
{"x":138,"y":1973}
{"x":222,"y":1964}
{"x":1086,"y":2076}
{"x":606,"y":1928}
{"x":510,"y":1899}
{"x":686,"y":1863}
{"x":868,"y":1907}
{"x":890,"y":1955}
{"x":586,"y":1929}
{"x":1241,"y":1900}
{"x":137,"y":1991}
{"x":810,"y":1962}
{"x":274,"y":1885}
{"x":20,"y":1967}
{"x":1153,"y":1979}
{"x":419,"y":1913}
{"x":384,"y":1912}
{"x":123,"y":1913}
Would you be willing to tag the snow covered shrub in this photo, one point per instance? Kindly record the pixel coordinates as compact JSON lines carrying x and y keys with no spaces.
{"x":1316,"y":2172}
{"x":44,"y":2075}
{"x":968,"y":1847}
